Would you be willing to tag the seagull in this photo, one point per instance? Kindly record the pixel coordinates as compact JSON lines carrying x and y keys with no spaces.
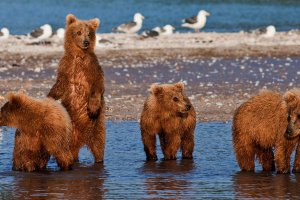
{"x":42,"y":33}
{"x":157,"y":31}
{"x":100,"y":41}
{"x":133,"y":26}
{"x":167,"y":30}
{"x":270,"y":32}
{"x":266,"y":32}
{"x":60,"y":33}
{"x":151,"y":33}
{"x":196,"y":22}
{"x":4,"y":33}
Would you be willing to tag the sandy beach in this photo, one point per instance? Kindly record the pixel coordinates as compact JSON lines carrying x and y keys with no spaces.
{"x":217,"y":68}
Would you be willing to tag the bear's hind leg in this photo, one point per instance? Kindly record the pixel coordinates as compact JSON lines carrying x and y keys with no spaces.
{"x":282,"y":158}
{"x":97,"y":148}
{"x":76,"y":144}
{"x":25,"y":164}
{"x":64,"y":160}
{"x":44,"y":157}
{"x":26,"y":152}
{"x":97,"y":141}
{"x":162,"y":141}
{"x":149,"y":141}
{"x":245,"y":155}
{"x":266,"y":158}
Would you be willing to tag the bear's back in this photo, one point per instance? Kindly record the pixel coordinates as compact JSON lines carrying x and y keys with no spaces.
{"x":260,"y":115}
{"x":56,"y":114}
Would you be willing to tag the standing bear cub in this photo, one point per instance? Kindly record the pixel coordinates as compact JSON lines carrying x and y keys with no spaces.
{"x":43,"y":129}
{"x":80,"y":86}
{"x":170,"y":114}
{"x":266,"y":121}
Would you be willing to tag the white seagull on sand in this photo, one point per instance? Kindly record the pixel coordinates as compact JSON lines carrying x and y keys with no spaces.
{"x":4,"y":33}
{"x":166,"y":30}
{"x":266,"y":32}
{"x":133,"y":26}
{"x":157,"y":31}
{"x":196,"y":22}
{"x":42,"y":33}
{"x":60,"y":33}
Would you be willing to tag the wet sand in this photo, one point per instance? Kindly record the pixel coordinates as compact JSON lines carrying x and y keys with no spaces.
{"x":220,"y":70}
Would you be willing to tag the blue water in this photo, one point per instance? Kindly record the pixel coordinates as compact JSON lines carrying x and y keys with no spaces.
{"x":21,"y":16}
{"x":212,"y":174}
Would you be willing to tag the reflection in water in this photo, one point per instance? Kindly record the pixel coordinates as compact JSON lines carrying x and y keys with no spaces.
{"x":82,"y":182}
{"x":167,"y":178}
{"x":211,"y":175}
{"x":266,"y":185}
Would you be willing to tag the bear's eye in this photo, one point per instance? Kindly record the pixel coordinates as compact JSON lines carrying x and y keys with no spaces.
{"x":175,"y":99}
{"x":78,"y":32}
{"x":91,"y":33}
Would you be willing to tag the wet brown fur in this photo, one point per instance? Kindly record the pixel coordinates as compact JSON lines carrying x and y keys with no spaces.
{"x":265,"y":122}
{"x":80,"y":86}
{"x":43,"y":129}
{"x":171,"y":120}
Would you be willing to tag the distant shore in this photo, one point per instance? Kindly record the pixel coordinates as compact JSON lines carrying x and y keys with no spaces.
{"x":32,"y":67}
{"x":188,"y":44}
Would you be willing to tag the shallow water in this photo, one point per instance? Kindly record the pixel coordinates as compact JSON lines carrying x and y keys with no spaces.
{"x":22,"y":16}
{"x":212,"y":174}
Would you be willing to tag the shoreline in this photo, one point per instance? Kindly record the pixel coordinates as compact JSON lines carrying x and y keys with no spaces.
{"x":131,"y":65}
{"x":203,"y":44}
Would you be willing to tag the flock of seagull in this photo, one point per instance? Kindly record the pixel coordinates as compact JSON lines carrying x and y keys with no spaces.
{"x":44,"y":32}
{"x":196,"y":23}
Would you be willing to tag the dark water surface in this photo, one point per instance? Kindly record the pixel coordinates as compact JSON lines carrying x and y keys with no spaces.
{"x":212,"y":174}
{"x":22,"y":16}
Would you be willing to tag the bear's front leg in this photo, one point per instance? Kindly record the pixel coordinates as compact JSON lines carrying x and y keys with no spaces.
{"x":94,"y":105}
{"x":149,"y":141}
{"x":296,"y":168}
{"x":58,"y":88}
{"x":172,"y":143}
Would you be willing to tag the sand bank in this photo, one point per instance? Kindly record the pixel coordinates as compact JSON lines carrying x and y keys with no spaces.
{"x":215,"y":85}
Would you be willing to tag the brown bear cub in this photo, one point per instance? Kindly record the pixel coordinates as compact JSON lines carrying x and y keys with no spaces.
{"x":266,"y":121}
{"x":80,"y":86}
{"x":43,"y":129}
{"x":170,"y":114}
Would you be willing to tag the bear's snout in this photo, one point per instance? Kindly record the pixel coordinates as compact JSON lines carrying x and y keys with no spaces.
{"x":86,"y":43}
{"x":289,"y":133}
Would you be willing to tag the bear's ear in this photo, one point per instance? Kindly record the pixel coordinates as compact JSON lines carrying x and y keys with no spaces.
{"x":1,"y":98}
{"x":70,"y":19}
{"x":16,"y":99}
{"x":10,"y":96}
{"x":180,"y":86}
{"x":289,"y":97}
{"x":95,"y":23}
{"x":156,"y":89}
